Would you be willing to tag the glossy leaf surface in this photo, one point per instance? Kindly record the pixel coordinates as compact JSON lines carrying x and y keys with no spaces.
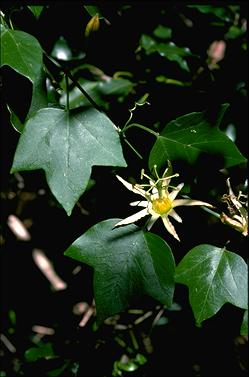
{"x":66,"y":146}
{"x":127,"y":262}
{"x":21,"y":51}
{"x":191,"y":135}
{"x":214,"y":277}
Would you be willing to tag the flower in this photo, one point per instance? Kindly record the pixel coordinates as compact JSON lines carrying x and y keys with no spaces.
{"x":238,"y":211}
{"x":159,"y":203}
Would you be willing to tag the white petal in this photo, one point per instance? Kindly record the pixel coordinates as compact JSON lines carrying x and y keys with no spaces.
{"x":140,"y":203}
{"x":170,"y":227}
{"x":131,"y":187}
{"x":190,"y":202}
{"x":152,"y":221}
{"x":133,"y":218}
{"x":175,"y":216}
{"x":174,"y":193}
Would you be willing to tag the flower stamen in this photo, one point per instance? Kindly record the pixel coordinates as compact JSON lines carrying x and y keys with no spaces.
{"x":162,"y":206}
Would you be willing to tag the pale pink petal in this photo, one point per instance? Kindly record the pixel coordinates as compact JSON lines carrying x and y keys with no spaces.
{"x":175,"y":192}
{"x":131,"y":187}
{"x":140,"y":203}
{"x":175,"y":216}
{"x":43,"y":330}
{"x":133,"y":218}
{"x":190,"y":202}
{"x":170,"y":228}
{"x":152,"y":221}
{"x":46,"y":267}
{"x":18,"y":228}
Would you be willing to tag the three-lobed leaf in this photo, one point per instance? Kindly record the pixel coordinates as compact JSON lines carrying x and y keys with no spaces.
{"x":127,"y":262}
{"x":66,"y":145}
{"x":39,"y":101}
{"x":190,"y":135}
{"x":214,"y":276}
{"x":21,"y":51}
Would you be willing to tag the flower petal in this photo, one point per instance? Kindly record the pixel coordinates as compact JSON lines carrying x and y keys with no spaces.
{"x":133,"y":218}
{"x":175,"y":216}
{"x":170,"y":227}
{"x":131,"y":187}
{"x":140,"y":203}
{"x":190,"y":202}
{"x":152,"y":221}
{"x":174,"y":193}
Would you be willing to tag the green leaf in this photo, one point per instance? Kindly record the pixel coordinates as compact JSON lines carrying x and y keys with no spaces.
{"x":66,"y":146}
{"x":77,"y":99}
{"x":39,"y":101}
{"x":244,"y":325}
{"x":39,"y":94}
{"x":21,"y":51}
{"x":43,"y":351}
{"x":162,"y":32}
{"x":167,"y":50}
{"x":174,"y":53}
{"x":190,"y":135}
{"x":214,"y":277}
{"x":234,"y":32}
{"x":92,"y":10}
{"x":115,"y":87}
{"x":15,"y":121}
{"x":36,"y":10}
{"x":221,"y":12}
{"x":97,"y":90}
{"x":127,"y":262}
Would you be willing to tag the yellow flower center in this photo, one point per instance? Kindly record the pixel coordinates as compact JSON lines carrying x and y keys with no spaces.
{"x":161,"y":205}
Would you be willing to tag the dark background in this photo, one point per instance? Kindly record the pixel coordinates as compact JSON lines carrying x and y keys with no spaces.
{"x":180,"y":348}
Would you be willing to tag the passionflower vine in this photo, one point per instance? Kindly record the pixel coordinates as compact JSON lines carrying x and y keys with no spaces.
{"x":159,"y":201}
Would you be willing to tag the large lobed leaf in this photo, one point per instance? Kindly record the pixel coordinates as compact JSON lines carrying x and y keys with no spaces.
{"x":190,"y":135}
{"x":21,"y":51}
{"x":39,"y":101}
{"x":66,"y":146}
{"x":127,"y":262}
{"x":214,"y":277}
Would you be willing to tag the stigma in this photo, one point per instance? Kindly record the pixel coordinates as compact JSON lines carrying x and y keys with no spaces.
{"x":162,"y":205}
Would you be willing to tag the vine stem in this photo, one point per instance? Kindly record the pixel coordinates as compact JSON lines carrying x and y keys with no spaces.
{"x":70,"y":76}
{"x":131,"y":146}
{"x":139,"y":126}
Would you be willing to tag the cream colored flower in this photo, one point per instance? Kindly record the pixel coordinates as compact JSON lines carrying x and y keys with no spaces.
{"x":159,"y":202}
{"x":238,"y":210}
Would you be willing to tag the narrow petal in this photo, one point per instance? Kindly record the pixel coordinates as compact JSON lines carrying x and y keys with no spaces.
{"x":152,"y":221}
{"x":131,"y":187}
{"x":133,"y":218}
{"x":175,"y":216}
{"x":140,"y":203}
{"x":174,"y":193}
{"x":170,"y":227}
{"x":190,"y":202}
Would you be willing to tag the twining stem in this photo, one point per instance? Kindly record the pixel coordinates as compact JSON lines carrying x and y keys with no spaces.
{"x":140,"y":126}
{"x":70,"y":76}
{"x":122,"y":133}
